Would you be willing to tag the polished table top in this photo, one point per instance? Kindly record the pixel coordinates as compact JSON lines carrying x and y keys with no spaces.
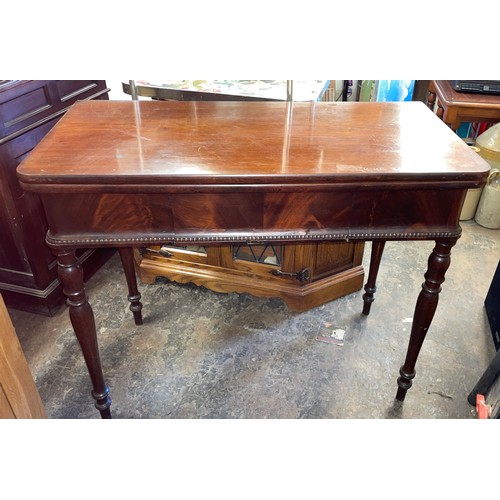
{"x":122,"y":143}
{"x":249,"y":172}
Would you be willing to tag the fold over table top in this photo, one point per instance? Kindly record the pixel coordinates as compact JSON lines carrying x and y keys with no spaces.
{"x":121,"y":145}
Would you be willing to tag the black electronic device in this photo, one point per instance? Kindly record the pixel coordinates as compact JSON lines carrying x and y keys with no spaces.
{"x":477,"y":86}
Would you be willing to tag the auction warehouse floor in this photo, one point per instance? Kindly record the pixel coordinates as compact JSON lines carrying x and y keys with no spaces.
{"x":202,"y":354}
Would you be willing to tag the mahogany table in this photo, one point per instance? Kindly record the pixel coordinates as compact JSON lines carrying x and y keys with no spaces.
{"x":456,"y":107}
{"x":126,"y":174}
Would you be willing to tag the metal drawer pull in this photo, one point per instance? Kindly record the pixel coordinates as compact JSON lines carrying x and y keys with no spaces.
{"x":302,"y":275}
{"x":162,"y":251}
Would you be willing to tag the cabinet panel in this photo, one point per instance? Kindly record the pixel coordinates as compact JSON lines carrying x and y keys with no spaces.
{"x":28,"y":271}
{"x":23,"y":108}
{"x":76,"y":89}
{"x":332,"y":270}
{"x":339,"y":255}
{"x":24,"y":104}
{"x":24,"y":249}
{"x":12,"y":255}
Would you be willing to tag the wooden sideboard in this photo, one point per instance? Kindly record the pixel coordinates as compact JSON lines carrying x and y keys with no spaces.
{"x":454,"y":107}
{"x":28,"y":110}
{"x":304,"y":275}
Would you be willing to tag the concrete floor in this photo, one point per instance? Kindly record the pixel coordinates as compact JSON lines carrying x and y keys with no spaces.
{"x":201,"y":354}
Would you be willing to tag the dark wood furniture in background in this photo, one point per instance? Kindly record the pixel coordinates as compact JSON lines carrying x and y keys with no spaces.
{"x":207,"y":173}
{"x":456,"y":107}
{"x":28,"y":271}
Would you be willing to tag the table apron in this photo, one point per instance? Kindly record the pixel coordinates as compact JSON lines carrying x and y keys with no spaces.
{"x":120,"y":219}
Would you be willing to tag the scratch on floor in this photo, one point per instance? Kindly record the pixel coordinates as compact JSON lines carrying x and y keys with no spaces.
{"x":442,"y":394}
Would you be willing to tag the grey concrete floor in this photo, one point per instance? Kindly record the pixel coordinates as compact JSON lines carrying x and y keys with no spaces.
{"x":206,"y":355}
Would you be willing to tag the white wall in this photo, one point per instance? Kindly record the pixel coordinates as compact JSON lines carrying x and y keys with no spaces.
{"x":116,"y":93}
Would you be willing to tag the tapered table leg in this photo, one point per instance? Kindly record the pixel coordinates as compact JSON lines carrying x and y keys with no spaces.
{"x":427,"y":301}
{"x":370,"y":287}
{"x":82,"y":319}
{"x":127,"y":257}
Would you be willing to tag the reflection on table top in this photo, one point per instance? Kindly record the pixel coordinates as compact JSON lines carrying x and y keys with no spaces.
{"x":181,"y":143}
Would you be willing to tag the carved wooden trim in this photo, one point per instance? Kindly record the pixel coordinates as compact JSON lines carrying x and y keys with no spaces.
{"x":254,"y":238}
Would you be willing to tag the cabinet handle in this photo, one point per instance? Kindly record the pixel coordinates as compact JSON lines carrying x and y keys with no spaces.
{"x":162,"y":251}
{"x":302,"y":275}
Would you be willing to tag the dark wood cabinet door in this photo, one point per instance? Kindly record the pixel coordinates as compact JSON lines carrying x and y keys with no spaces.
{"x":28,"y":111}
{"x":23,"y":253}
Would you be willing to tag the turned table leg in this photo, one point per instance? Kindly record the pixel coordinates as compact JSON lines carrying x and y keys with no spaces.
{"x":434,"y":105}
{"x":127,"y":257}
{"x":370,"y":287}
{"x":427,"y":301}
{"x":431,"y":99}
{"x":82,"y":319}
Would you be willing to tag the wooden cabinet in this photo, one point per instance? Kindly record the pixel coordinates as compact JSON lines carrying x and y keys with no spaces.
{"x":28,"y":110}
{"x":303,"y":275}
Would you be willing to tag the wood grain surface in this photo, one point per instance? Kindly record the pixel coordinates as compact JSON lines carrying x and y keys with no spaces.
{"x":237,"y":143}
